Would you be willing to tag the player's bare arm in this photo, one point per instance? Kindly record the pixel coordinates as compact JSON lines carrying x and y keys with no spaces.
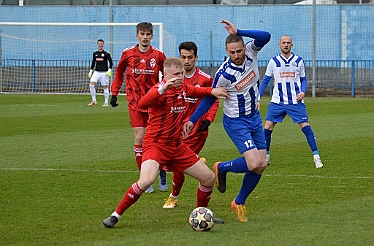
{"x":229,"y":27}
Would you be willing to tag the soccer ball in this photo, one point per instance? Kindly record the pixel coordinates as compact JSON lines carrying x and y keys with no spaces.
{"x":201,"y":219}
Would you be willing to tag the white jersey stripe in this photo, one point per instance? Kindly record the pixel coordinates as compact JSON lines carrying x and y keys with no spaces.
{"x":287,"y":74}
{"x":241,"y":83}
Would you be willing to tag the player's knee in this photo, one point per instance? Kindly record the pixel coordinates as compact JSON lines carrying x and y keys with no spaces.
{"x":257,"y":165}
{"x":303,"y":124}
{"x":212,"y":178}
{"x":262,"y":166}
{"x":209,"y":179}
{"x":138,"y":140}
{"x":145,"y":183}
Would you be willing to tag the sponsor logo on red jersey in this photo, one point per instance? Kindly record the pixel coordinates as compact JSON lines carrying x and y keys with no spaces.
{"x":142,"y":71}
{"x":177,"y":109}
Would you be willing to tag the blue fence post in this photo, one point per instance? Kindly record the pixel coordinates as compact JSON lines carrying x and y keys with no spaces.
{"x":353,"y":80}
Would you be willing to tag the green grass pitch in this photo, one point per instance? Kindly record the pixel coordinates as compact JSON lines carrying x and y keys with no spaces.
{"x":65,"y":166}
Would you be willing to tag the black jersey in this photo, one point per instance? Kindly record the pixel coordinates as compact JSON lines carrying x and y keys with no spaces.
{"x":101,"y":59}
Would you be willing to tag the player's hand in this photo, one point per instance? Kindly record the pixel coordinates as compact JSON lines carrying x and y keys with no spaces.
{"x":173,"y":82}
{"x":109,"y":73}
{"x":229,"y":27}
{"x":300,"y":96}
{"x":90,"y":73}
{"x":204,"y":125}
{"x":187,"y":129}
{"x":220,"y":92}
{"x":113,"y":101}
{"x":258,"y":105}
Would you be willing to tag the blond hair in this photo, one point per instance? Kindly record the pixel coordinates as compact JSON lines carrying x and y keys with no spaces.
{"x":172,"y":62}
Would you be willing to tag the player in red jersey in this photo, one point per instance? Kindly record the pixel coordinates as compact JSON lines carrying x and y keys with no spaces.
{"x":163,"y":144}
{"x":142,"y":64}
{"x":197,"y":137}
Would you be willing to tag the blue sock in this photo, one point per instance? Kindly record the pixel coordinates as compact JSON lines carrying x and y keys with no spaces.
{"x":267,"y":134}
{"x":239,"y":165}
{"x":250,"y":182}
{"x":309,"y":134}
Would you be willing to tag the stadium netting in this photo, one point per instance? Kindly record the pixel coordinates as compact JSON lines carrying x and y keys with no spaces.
{"x":56,"y":57}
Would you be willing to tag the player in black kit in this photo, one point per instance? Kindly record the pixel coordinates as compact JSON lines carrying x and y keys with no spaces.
{"x":102,"y":72}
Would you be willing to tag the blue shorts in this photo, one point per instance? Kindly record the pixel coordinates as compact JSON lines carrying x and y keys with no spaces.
{"x":277,"y":112}
{"x":245,"y":132}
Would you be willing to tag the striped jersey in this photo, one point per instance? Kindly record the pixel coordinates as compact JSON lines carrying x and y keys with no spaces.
{"x":286,"y":74}
{"x":241,"y":83}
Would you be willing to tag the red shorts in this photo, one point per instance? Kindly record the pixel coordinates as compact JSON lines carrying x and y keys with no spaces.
{"x":138,"y":118}
{"x":174,"y":159}
{"x":196,"y":141}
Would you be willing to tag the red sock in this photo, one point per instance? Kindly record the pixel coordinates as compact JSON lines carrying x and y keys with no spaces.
{"x":138,"y":151}
{"x":130,"y":197}
{"x":178,"y":180}
{"x":203,"y":195}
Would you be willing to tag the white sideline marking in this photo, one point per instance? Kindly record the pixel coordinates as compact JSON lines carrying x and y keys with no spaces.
{"x":34,"y":105}
{"x":123,"y":171}
{"x":317,"y":176}
{"x":68,"y":170}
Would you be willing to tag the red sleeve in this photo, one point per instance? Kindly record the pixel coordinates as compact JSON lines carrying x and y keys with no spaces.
{"x":161,"y":65}
{"x":118,"y":78}
{"x":150,"y":98}
{"x":193,"y":91}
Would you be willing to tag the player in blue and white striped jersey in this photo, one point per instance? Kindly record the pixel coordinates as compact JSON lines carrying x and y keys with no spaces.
{"x":289,"y":90}
{"x":239,"y":74}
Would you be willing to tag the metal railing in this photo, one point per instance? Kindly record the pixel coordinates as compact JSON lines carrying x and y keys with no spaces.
{"x":66,"y":76}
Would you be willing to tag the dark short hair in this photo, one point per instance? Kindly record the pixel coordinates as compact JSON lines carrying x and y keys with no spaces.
{"x":100,"y":40}
{"x":188,"y":46}
{"x":233,"y":38}
{"x":144,"y":26}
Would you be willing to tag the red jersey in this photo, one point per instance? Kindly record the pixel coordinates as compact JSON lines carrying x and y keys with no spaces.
{"x":142,"y":72}
{"x":199,"y":79}
{"x":166,"y":112}
{"x":196,"y":140}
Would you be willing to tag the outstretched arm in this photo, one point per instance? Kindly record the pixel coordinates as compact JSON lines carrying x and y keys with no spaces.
{"x":261,"y":38}
{"x":231,"y":28}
